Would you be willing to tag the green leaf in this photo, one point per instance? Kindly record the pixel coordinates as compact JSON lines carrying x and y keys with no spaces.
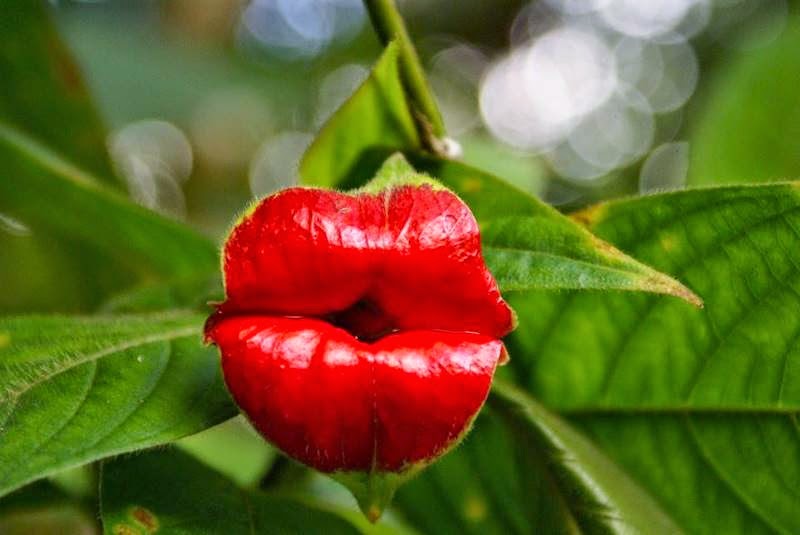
{"x":550,"y":252}
{"x":43,"y":93}
{"x":747,"y":130}
{"x":171,"y":493}
{"x":375,"y":118}
{"x":524,"y":470}
{"x":39,"y":188}
{"x":73,"y":390}
{"x":701,"y":406}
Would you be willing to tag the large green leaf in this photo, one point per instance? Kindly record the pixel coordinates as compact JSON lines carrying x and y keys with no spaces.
{"x":748,"y":129}
{"x":701,"y":406}
{"x":43,"y":93}
{"x":374,"y":122}
{"x":524,"y":470}
{"x":39,"y":188}
{"x":171,"y":493}
{"x":73,"y":390}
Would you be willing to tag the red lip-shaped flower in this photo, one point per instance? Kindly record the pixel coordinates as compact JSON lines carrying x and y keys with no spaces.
{"x":360,"y":332}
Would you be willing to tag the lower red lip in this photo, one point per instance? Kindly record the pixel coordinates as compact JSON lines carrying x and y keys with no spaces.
{"x":336,"y":403}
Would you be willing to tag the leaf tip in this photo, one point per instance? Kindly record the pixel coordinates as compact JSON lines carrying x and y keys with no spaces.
{"x":691,"y":297}
{"x":667,"y":285}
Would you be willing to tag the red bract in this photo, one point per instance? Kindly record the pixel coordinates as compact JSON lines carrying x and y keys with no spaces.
{"x":360,"y":332}
{"x":336,"y":403}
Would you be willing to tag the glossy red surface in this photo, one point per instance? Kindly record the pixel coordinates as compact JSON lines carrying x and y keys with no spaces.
{"x":336,"y":403}
{"x":359,"y":331}
{"x":412,"y":255}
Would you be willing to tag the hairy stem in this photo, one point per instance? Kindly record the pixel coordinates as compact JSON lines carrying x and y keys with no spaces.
{"x":389,"y":26}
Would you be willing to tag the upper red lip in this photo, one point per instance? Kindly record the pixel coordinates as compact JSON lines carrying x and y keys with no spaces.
{"x":412,"y":253}
{"x":405,"y":261}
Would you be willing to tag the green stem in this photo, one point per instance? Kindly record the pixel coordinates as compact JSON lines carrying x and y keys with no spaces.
{"x":389,"y":26}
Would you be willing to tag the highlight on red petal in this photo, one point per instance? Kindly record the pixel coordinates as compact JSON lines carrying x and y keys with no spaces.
{"x":360,"y":333}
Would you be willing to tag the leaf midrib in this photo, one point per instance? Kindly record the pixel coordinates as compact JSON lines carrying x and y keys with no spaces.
{"x":635,"y":269}
{"x":666,"y":285}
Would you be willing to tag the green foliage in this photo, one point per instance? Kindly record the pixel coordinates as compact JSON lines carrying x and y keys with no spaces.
{"x":396,"y":172}
{"x":169,"y":492}
{"x":529,"y":245}
{"x":749,"y":129}
{"x":79,"y":389}
{"x":524,"y":470}
{"x":43,"y":87}
{"x":700,"y":405}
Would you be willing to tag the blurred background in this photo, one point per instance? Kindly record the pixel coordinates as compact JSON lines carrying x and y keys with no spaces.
{"x":211,"y":102}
